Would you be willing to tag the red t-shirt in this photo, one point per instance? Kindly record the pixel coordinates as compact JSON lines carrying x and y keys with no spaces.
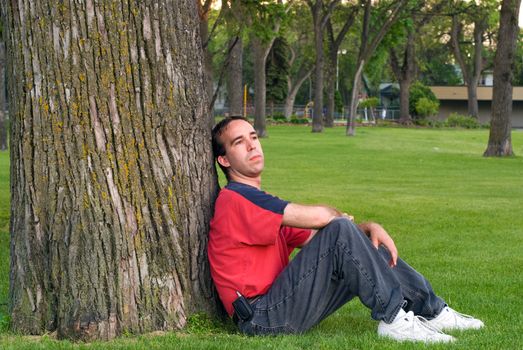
{"x":248,"y":246}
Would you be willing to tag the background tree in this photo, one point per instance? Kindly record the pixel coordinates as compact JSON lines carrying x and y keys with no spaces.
{"x":403,"y":51}
{"x":112,"y":171}
{"x":234,"y":69}
{"x":277,"y":70}
{"x":204,"y":10}
{"x":320,"y":15}
{"x":375,"y":25}
{"x":3,"y":117}
{"x":500,"y":143}
{"x":301,"y":61}
{"x":265,"y":26}
{"x":334,"y":42}
{"x":467,"y":44}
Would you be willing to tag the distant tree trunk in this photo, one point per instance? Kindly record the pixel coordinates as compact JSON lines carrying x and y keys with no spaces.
{"x":317,"y":116}
{"x":260,"y":52}
{"x":3,"y":121}
{"x":112,"y":176}
{"x":368,"y":45}
{"x":294,"y":87}
{"x":234,"y":77}
{"x":331,"y":91}
{"x":471,"y":71}
{"x":500,"y":143}
{"x":334,"y":43}
{"x":405,"y":73}
{"x":351,"y":121}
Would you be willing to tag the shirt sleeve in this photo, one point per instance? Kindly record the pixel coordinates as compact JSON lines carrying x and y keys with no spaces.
{"x":260,"y":217}
{"x":294,"y":236}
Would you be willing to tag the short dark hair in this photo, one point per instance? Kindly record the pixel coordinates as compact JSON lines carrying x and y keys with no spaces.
{"x":218,"y":148}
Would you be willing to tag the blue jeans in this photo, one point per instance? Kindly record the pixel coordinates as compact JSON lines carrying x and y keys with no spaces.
{"x":338,"y":264}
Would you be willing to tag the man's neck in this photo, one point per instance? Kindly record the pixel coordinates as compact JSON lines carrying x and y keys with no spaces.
{"x":254,"y":182}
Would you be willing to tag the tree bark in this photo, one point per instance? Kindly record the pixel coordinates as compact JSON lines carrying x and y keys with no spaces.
{"x":234,"y":77}
{"x":203,"y":11}
{"x":3,"y":121}
{"x":500,"y":143}
{"x":111,"y":167}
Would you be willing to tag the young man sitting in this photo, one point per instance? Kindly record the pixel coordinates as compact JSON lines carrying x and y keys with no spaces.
{"x":253,"y":233}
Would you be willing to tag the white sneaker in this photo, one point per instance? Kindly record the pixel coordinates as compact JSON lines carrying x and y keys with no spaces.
{"x":449,"y":319}
{"x":407,"y":327}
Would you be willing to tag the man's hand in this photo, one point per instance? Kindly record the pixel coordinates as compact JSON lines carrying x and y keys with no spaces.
{"x":377,"y":236}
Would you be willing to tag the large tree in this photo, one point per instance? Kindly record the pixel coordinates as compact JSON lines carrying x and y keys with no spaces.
{"x":112,"y":176}
{"x":499,"y":143}
{"x":3,"y":119}
{"x":320,"y":15}
{"x":334,"y":41}
{"x":378,"y":17}
{"x":468,"y":46}
{"x":265,"y":23}
{"x":403,"y":58}
{"x":234,"y":67}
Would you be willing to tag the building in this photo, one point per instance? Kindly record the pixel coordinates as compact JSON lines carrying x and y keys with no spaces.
{"x":453,"y":99}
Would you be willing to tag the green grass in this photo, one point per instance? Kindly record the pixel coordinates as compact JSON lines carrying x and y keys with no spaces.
{"x":455,"y":216}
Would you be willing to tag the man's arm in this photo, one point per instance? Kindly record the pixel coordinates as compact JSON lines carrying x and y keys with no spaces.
{"x":308,"y":216}
{"x":316,"y":217}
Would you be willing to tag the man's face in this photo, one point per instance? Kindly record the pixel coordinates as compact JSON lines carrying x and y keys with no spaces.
{"x":243,"y":153}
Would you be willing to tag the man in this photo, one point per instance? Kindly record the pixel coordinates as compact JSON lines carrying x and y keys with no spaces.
{"x":253,"y":233}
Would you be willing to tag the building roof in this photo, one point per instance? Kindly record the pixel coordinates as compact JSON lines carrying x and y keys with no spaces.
{"x":460,"y":93}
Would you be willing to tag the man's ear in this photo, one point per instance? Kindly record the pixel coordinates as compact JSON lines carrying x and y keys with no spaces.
{"x":223,"y":161}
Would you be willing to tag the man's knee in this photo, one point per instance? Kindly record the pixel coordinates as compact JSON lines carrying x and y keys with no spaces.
{"x":342,"y":228}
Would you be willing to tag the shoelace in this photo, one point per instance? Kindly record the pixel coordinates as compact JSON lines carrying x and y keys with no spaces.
{"x":459,"y":314}
{"x":425,"y":323}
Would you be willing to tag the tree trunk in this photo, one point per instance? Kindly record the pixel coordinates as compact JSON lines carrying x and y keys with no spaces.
{"x":234,"y":78}
{"x":404,"y":101}
{"x":472,"y":97}
{"x":500,"y":143}
{"x":405,"y":73}
{"x":331,"y":89}
{"x":317,"y":117}
{"x":303,"y":75}
{"x":112,"y":176}
{"x":3,"y":123}
{"x":351,"y":125}
{"x":260,"y":53}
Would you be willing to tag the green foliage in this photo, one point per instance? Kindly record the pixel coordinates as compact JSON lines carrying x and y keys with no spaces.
{"x":462,"y":121}
{"x":5,"y":323}
{"x":338,"y":102}
{"x":201,"y":323}
{"x":426,"y":107}
{"x":417,"y":91}
{"x":370,"y":102}
{"x":299,"y":120}
{"x":276,"y":118}
{"x":277,"y":69}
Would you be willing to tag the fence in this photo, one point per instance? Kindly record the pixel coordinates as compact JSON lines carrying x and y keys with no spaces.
{"x":302,"y":111}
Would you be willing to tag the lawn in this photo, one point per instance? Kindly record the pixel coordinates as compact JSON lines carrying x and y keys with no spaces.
{"x":455,"y":216}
